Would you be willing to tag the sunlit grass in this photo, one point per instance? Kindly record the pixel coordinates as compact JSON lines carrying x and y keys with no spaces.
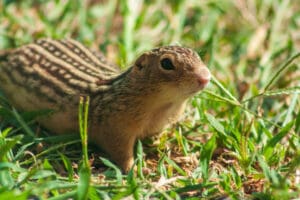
{"x":238,"y":138}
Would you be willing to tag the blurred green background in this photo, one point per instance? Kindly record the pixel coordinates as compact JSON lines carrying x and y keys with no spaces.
{"x":243,"y":130}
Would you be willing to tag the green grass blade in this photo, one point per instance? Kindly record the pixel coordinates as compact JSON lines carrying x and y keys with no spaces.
{"x":215,"y":124}
{"x":85,"y":171}
{"x":269,"y":148}
{"x":281,"y":69}
{"x":68,"y":166}
{"x":7,"y":145}
{"x":115,"y":168}
{"x":84,"y":183}
{"x":140,"y":159}
{"x":14,"y":195}
{"x":275,"y":92}
{"x":23,"y":124}
{"x":205,"y":157}
{"x":64,"y":196}
{"x":219,"y":85}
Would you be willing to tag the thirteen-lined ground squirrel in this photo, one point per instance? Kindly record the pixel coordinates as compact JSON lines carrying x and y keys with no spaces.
{"x":140,"y":102}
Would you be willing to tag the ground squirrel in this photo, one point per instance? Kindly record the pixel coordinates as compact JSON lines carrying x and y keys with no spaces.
{"x":124,"y":106}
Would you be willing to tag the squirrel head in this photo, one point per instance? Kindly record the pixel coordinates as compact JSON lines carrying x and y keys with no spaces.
{"x":175,"y":70}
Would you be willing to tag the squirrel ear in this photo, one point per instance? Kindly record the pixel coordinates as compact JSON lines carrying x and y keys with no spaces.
{"x":141,"y":62}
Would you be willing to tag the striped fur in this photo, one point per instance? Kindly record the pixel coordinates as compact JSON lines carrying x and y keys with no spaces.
{"x":54,"y":68}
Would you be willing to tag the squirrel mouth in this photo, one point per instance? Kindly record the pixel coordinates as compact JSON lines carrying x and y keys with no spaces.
{"x":199,"y":87}
{"x":203,"y":85}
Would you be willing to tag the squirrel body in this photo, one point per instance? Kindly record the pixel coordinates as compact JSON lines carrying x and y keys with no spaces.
{"x":124,"y":106}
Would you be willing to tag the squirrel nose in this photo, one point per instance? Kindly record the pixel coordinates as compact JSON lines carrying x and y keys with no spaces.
{"x":203,"y":76}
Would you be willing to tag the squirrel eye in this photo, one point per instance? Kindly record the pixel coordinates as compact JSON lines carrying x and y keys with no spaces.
{"x":167,"y":64}
{"x":139,"y":66}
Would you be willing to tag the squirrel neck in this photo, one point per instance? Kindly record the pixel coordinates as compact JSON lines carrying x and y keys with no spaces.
{"x":134,"y":98}
{"x":124,"y":93}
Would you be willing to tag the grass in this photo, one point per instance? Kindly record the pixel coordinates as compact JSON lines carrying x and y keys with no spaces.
{"x":239,"y":138}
